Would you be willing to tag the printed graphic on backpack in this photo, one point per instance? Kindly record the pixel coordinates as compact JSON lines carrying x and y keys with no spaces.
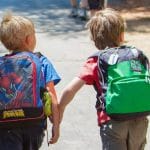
{"x":20,"y":81}
{"x":125,"y":83}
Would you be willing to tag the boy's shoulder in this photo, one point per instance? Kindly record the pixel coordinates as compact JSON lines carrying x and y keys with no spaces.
{"x":119,"y":49}
{"x":124,"y":52}
{"x":91,"y":61}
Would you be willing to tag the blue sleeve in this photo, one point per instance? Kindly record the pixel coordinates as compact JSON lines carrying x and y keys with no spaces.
{"x":49,"y":71}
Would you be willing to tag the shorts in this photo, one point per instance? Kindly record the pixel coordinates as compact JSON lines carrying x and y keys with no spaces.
{"x":96,"y":4}
{"x":123,"y":135}
{"x":29,"y":138}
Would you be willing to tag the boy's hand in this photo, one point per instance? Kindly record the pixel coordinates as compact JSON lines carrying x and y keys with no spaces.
{"x":55,"y":134}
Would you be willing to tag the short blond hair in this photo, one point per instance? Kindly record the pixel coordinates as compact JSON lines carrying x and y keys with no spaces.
{"x":106,"y":27}
{"x":13,"y":31}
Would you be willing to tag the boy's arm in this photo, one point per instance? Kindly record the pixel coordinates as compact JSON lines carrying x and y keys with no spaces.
{"x":55,"y":112}
{"x":68,"y":93}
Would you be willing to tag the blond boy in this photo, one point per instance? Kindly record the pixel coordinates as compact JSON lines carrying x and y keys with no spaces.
{"x":17,"y":34}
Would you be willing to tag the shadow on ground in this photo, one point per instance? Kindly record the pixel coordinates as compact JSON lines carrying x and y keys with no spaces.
{"x":49,"y":16}
{"x":137,"y":15}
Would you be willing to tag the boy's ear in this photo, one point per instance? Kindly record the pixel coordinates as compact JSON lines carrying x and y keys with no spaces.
{"x":121,"y":37}
{"x":28,"y":39}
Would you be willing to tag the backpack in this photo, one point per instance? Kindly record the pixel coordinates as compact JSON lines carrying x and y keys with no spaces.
{"x":20,"y":82}
{"x":125,"y":80}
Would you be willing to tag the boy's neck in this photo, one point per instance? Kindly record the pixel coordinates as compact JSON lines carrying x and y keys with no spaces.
{"x":21,"y":50}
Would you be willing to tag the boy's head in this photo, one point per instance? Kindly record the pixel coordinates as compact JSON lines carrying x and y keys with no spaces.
{"x":17,"y":33}
{"x":107,"y":28}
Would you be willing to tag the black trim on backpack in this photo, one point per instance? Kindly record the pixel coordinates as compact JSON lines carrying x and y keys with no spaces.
{"x":22,"y":117}
{"x":38,"y":54}
{"x":125,"y":52}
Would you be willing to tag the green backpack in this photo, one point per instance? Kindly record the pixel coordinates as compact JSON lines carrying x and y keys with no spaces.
{"x":125,"y":81}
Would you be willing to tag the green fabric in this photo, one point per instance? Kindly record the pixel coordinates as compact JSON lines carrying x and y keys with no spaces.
{"x":128,"y":88}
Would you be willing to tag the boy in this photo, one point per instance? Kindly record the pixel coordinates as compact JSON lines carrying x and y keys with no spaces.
{"x":18,"y":35}
{"x":107,"y":30}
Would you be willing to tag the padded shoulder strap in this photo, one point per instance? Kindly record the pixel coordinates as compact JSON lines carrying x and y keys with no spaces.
{"x":38,"y":54}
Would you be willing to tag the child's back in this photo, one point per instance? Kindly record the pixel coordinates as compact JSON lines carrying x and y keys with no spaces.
{"x":107,"y":31}
{"x":25,"y":73}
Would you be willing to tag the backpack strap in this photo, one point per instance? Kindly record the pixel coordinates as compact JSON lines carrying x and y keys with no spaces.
{"x":145,"y":61}
{"x":99,"y":103}
{"x":38,"y":54}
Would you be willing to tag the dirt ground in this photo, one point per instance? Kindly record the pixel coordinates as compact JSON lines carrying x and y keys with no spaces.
{"x":138,"y":25}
